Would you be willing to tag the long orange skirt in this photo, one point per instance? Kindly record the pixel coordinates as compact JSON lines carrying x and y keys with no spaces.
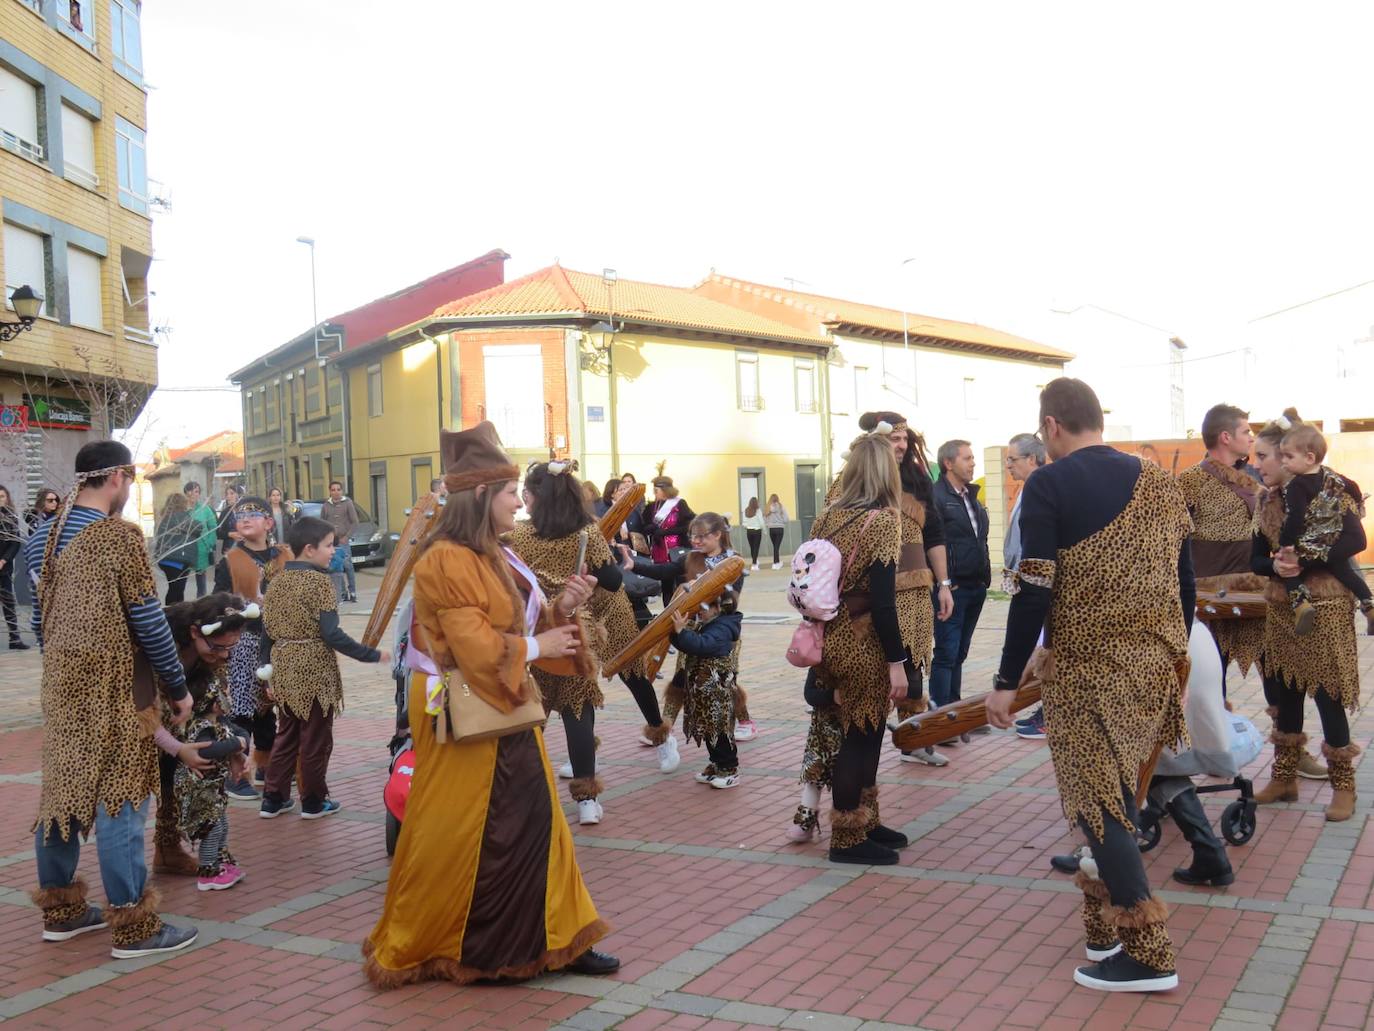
{"x":485,"y":883}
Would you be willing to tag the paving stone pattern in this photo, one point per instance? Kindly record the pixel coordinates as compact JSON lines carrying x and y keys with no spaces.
{"x":719,"y":922}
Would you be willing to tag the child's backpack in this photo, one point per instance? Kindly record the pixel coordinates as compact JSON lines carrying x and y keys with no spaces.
{"x":336,"y":564}
{"x":814,"y":591}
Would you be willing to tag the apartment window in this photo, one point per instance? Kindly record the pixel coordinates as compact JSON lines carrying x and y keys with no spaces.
{"x":747,"y":381}
{"x":80,"y":17}
{"x":131,"y":158}
{"x":805,"y":374}
{"x":374,"y":390}
{"x":27,"y":261}
{"x":78,"y":148}
{"x":126,"y":40}
{"x":312,"y":390}
{"x":83,"y":288}
{"x":19,"y":116}
{"x":860,"y":388}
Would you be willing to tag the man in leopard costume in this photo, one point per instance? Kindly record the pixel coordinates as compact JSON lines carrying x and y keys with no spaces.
{"x":98,"y":608}
{"x":1106,"y":573}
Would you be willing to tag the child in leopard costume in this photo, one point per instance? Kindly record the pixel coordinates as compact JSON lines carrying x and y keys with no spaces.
{"x":705,"y":640}
{"x":201,"y":798}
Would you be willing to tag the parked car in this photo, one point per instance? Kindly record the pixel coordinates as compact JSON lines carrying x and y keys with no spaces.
{"x":369,"y":545}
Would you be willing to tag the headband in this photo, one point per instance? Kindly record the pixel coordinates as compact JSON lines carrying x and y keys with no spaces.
{"x":456,"y":482}
{"x":251,"y":508}
{"x":880,"y":430}
{"x":249,"y":611}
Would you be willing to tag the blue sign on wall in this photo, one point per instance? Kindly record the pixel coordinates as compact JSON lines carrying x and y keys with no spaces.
{"x":596,"y":413}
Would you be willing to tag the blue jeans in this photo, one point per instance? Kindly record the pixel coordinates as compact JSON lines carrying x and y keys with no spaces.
{"x":119,"y":845}
{"x":952,"y":640}
{"x":348,"y":570}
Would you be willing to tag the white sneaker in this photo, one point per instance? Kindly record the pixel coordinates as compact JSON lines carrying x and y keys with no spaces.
{"x":645,"y":742}
{"x":565,"y":772}
{"x":754,"y":568}
{"x":589,"y":811}
{"x":706,"y":776}
{"x":777,"y":565}
{"x":745,"y":730}
{"x":723,"y":781}
{"x":926,"y":757}
{"x":668,"y":757}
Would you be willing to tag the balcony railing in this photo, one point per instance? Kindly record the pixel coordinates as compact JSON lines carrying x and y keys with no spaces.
{"x":20,"y":146}
{"x":751,"y":404}
{"x":138,"y":334}
{"x":81,"y":177}
{"x":808,"y":407}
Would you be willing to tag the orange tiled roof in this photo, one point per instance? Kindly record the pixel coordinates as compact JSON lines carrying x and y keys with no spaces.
{"x":813,"y":312}
{"x":225,"y":442}
{"x":556,"y":291}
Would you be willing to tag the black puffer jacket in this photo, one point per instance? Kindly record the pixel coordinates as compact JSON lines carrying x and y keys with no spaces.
{"x":965,"y":545}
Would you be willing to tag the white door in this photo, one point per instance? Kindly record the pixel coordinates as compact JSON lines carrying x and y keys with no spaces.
{"x":514,"y":379}
{"x":750,"y":486}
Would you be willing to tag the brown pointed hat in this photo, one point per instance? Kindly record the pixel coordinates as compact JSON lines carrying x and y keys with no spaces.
{"x":473,"y":457}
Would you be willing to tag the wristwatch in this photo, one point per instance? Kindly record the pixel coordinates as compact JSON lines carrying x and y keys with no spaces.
{"x":946,"y":583}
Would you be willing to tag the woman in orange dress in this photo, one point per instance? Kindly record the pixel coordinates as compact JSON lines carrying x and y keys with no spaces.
{"x":484,"y":884}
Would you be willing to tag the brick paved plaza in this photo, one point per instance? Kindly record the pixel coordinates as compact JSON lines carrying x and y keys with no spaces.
{"x":718,"y":922}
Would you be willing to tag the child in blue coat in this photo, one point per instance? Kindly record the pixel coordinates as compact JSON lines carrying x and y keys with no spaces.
{"x":706,"y":640}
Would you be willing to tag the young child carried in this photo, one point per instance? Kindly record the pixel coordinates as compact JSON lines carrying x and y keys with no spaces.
{"x":1321,"y":525}
{"x":300,"y":636}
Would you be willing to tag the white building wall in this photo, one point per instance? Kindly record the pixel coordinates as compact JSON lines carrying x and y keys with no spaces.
{"x":944,"y":394}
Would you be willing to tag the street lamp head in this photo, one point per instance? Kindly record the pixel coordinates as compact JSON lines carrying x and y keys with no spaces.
{"x":26,"y":303}
{"x":307,"y":240}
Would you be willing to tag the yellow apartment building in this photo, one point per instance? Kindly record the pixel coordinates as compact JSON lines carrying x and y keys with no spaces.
{"x":75,"y":203}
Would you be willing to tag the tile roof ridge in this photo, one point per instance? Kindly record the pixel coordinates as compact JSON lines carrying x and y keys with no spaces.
{"x":779,"y":295}
{"x":468,"y":300}
{"x":558,"y":278}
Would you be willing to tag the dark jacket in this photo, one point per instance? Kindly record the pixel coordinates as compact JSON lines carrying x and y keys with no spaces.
{"x":965,"y":545}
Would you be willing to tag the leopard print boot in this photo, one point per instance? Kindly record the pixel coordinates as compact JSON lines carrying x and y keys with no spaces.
{"x":1283,"y":782}
{"x":1144,"y":937}
{"x":1341,"y":764}
{"x":1097,"y":914}
{"x":874,"y":829}
{"x":66,"y":913}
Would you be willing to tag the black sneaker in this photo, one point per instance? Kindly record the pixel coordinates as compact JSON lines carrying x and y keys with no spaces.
{"x":91,"y":920}
{"x":17,"y":645}
{"x":888,"y":838}
{"x":326,"y":808}
{"x":273,"y":806}
{"x":167,"y":939}
{"x":865,"y":853}
{"x":593,"y":963}
{"x":1187,"y":875}
{"x":1121,"y":973}
{"x":1068,"y":863}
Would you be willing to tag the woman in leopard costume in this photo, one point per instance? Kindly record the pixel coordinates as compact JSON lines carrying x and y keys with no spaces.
{"x":548,"y":544}
{"x":1322,"y":665}
{"x":863,"y":658}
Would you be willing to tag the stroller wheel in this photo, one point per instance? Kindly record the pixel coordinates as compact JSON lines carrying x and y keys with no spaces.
{"x":1238,"y":822}
{"x":1147,"y":835}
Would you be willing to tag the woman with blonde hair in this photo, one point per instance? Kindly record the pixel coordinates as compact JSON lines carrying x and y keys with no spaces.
{"x":862,"y":672}
{"x":484,"y":884}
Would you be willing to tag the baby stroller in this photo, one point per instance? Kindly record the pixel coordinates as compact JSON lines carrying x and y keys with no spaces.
{"x":1222,"y":744}
{"x":401,"y":748}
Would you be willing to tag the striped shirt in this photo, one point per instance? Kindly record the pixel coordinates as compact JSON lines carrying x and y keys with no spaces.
{"x":146,"y":617}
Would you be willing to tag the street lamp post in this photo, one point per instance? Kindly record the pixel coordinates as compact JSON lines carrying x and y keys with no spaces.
{"x":314,"y":295}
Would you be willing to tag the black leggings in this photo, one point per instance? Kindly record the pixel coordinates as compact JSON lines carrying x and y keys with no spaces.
{"x":1118,"y":856}
{"x":856,"y":766}
{"x":7,"y":600}
{"x":1290,"y":701}
{"x":581,"y":734}
{"x":262,"y":726}
{"x":755,"y":540}
{"x":645,"y":697}
{"x":176,"y":583}
{"x":775,"y":535}
{"x":724,"y":755}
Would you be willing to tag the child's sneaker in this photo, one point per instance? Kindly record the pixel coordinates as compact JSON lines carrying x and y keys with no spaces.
{"x":925,"y":757}
{"x":327,"y":808}
{"x":722,"y":781}
{"x":668,"y":757}
{"x":589,"y":811}
{"x":707,"y":775}
{"x":805,"y":826}
{"x":241,"y":791}
{"x":228,"y":876}
{"x":745,"y":730}
{"x":1035,"y":729}
{"x":274,"y":807}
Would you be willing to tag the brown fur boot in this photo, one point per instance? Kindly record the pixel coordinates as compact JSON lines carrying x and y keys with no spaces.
{"x":849,"y":841}
{"x":168,"y":855}
{"x":1283,"y":783}
{"x":1340,"y":761}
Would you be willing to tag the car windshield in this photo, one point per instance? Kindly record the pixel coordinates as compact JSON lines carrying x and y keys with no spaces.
{"x":313,"y":508}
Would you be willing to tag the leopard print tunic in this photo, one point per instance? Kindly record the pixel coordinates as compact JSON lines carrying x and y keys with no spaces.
{"x":305,"y":670}
{"x":551,"y":560}
{"x":852,"y":660}
{"x":823,"y":740}
{"x":93,"y":749}
{"x":708,"y":706}
{"x":201,"y":800}
{"x":1325,"y":660}
{"x":915,"y":611}
{"x":1119,"y":650}
{"x":1221,"y":517}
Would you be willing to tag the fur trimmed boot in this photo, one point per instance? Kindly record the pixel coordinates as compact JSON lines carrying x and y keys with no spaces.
{"x":1097,"y":912}
{"x":849,"y":841}
{"x":1283,"y":780}
{"x":886,"y":836}
{"x":168,"y":855}
{"x":1341,"y":763}
{"x":1146,"y":960}
{"x":66,"y":913}
{"x":137,"y":930}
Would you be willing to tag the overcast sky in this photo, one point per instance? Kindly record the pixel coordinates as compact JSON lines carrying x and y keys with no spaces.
{"x":1190,"y":165}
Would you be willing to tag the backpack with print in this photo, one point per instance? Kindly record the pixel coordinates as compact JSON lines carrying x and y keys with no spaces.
{"x":814,"y":591}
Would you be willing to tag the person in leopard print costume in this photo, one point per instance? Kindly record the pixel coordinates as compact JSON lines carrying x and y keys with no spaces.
{"x":1106,"y":573}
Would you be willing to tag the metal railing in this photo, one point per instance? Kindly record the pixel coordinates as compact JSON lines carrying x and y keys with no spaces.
{"x":808,"y":407}
{"x":751,"y":404}
{"x":21,"y":146}
{"x":138,"y":334}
